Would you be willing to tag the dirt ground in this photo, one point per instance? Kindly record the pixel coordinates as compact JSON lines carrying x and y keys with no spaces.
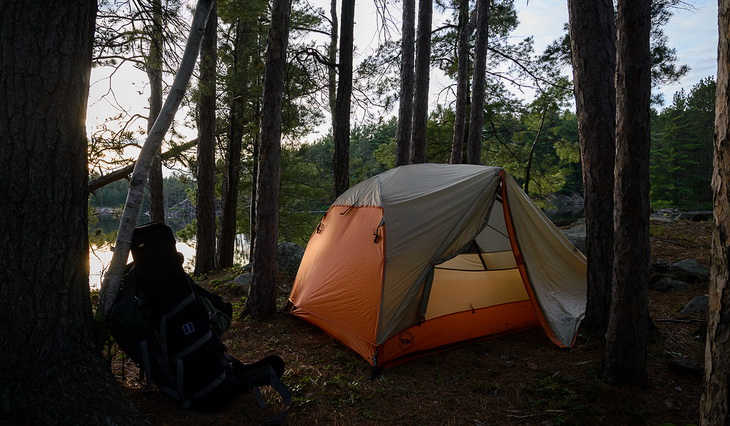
{"x":518,"y":379}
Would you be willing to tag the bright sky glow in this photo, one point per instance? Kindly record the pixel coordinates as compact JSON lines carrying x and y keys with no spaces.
{"x":693,"y":33}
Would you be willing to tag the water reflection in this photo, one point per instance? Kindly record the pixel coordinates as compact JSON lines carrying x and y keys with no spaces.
{"x":103,"y":236}
{"x":564,"y":214}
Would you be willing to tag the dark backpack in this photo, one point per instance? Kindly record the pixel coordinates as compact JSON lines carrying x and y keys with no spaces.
{"x":171,"y":328}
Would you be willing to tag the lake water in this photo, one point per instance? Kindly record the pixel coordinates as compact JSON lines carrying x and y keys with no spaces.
{"x":101,"y":255}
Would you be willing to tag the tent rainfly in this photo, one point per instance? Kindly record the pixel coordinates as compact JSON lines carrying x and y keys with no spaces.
{"x":425,"y":257}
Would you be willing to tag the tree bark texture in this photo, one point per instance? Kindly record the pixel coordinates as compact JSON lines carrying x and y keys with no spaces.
{"x":153,"y":67}
{"x":624,"y":361}
{"x":229,"y":202}
{"x":254,"y":184}
{"x":332,"y":56}
{"x":478,"y":87}
{"x":593,"y":46}
{"x":133,"y":205}
{"x":715,"y":406}
{"x":51,"y":371}
{"x":262,"y":297}
{"x":156,"y":191}
{"x":405,"y":106}
{"x":462,"y":85}
{"x":421,"y":82}
{"x":341,"y":158}
{"x":205,"y":198}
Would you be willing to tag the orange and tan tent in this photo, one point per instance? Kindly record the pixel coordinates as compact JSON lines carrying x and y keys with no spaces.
{"x":428,"y":256}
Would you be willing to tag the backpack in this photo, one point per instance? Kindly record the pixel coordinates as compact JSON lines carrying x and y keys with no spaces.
{"x":171,"y":328}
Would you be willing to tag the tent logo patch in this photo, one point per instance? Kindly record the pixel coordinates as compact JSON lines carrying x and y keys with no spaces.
{"x":406,"y":338}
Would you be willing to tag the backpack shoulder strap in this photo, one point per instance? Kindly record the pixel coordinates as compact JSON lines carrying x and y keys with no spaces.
{"x":283,"y":391}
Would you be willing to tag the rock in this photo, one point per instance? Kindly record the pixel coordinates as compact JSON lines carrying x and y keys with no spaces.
{"x":661,"y":266}
{"x":698,"y":304}
{"x":685,"y":367}
{"x":669,"y":284}
{"x":689,"y":270}
{"x":243,"y":283}
{"x":289,"y":256}
{"x":576,"y":234}
{"x":701,"y":216}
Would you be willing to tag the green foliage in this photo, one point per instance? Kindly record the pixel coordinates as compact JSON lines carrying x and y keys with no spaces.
{"x":682,"y":149}
{"x":303,"y":197}
{"x":372,"y":151}
{"x":664,"y":67}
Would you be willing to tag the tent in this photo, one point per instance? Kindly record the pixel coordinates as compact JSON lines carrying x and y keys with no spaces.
{"x":425,"y":257}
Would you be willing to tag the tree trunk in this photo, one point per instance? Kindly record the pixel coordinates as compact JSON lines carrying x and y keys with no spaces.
{"x":132,"y":207}
{"x":422,"y":79}
{"x":205,"y":208}
{"x":156,"y":191}
{"x":229,"y":208}
{"x":528,"y":168}
{"x":593,"y":46}
{"x":254,"y":185}
{"x":153,"y":67}
{"x":332,"y":56}
{"x":405,"y":106}
{"x":624,"y":361}
{"x":715,"y":406}
{"x":478,"y":87}
{"x":462,"y":85}
{"x":341,"y":158}
{"x":51,"y":371}
{"x":262,"y":297}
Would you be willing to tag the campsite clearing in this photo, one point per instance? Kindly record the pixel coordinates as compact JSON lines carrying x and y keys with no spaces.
{"x":520,"y":379}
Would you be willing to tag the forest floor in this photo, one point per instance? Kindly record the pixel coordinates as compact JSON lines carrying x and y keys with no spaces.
{"x":517,"y":379}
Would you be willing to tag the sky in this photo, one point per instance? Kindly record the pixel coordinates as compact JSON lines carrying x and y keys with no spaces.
{"x":693,"y":33}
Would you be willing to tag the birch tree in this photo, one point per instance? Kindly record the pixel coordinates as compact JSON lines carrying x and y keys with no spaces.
{"x":133,"y":205}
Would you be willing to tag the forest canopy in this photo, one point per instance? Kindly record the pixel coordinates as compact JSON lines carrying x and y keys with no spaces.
{"x":536,"y":139}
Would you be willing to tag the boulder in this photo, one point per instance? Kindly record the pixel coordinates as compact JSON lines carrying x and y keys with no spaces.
{"x":669,"y":284}
{"x":576,"y":234}
{"x":697,"y":305}
{"x":689,"y":270}
{"x":701,"y":216}
{"x":660,"y":266}
{"x":289,"y":256}
{"x":242,"y":284}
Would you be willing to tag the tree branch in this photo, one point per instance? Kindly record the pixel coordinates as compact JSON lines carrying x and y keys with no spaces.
{"x":130,"y":215}
{"x":124,"y":172}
